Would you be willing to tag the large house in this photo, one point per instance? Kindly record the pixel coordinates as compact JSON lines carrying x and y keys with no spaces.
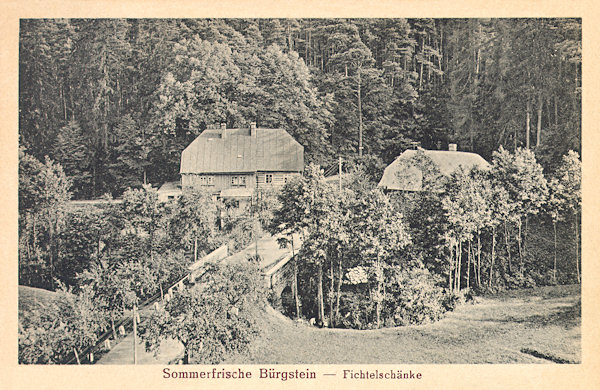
{"x":233,"y":163}
{"x":404,"y":174}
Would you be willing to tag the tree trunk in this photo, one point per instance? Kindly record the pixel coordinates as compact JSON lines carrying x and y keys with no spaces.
{"x":51,"y":249}
{"x":459,"y":266}
{"x":186,"y":355}
{"x":539,"y":121}
{"x":525,"y":235}
{"x":296,"y":298}
{"x":577,"y":247}
{"x":320,"y":293}
{"x":455,"y":268}
{"x":451,"y":268}
{"x":34,"y":226}
{"x":469,"y":265}
{"x":555,"y":263}
{"x":555,"y":110}
{"x":331,"y":293}
{"x":289,"y":37}
{"x":360,"y":122}
{"x":478,"y":259}
{"x":507,"y":240}
{"x":379,"y":292}
{"x":519,"y":223}
{"x":339,"y":287}
{"x":306,"y":46}
{"x":196,"y":250}
{"x":493,"y":255}
{"x":94,"y":179}
{"x":421,"y":69}
{"x":527,"y":123}
{"x":64,"y":102}
{"x":112,"y":324}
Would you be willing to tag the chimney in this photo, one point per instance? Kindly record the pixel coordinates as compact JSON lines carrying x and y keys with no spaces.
{"x":253,"y":129}
{"x":452,"y":147}
{"x":223,"y":128}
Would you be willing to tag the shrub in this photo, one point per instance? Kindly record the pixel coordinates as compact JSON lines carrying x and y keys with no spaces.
{"x":212,"y":319}
{"x":414,"y":298}
{"x":356,"y":311}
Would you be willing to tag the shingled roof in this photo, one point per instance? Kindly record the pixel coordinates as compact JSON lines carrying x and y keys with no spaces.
{"x":238,"y":151}
{"x":402,"y":175}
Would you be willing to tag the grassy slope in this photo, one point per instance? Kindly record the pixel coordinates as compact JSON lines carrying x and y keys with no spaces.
{"x":543,"y":321}
{"x":35,"y":299}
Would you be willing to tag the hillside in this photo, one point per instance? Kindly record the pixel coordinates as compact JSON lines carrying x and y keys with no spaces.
{"x":35,"y":299}
{"x":541,"y":325}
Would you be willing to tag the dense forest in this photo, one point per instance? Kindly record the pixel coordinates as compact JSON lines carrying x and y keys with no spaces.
{"x":114,"y":101}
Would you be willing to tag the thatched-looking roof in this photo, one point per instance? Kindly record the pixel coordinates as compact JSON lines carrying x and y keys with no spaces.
{"x":406,"y":172}
{"x":242,"y":151}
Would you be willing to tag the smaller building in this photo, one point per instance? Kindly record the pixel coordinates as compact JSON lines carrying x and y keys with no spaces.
{"x":406,"y":173}
{"x":168,"y":191}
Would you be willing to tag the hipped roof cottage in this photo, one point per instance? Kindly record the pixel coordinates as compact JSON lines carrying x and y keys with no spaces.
{"x":403,"y":174}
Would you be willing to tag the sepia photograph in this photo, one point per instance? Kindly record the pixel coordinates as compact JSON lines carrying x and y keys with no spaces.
{"x":302,"y":191}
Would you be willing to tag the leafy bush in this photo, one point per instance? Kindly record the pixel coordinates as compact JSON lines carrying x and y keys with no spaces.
{"x":212,"y":319}
{"x":54,"y":330}
{"x":356,"y":311}
{"x":414,"y":298}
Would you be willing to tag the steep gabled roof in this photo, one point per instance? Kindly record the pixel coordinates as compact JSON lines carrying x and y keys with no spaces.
{"x":237,"y":151}
{"x":402,"y":175}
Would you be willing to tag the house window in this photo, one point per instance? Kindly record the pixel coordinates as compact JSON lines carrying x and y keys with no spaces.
{"x":269,"y":178}
{"x":206,"y":180}
{"x":238,"y":181}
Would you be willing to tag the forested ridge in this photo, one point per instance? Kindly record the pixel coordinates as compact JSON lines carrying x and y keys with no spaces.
{"x":114,"y":101}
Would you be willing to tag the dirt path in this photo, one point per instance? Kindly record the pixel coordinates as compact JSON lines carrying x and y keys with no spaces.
{"x":122,"y":353}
